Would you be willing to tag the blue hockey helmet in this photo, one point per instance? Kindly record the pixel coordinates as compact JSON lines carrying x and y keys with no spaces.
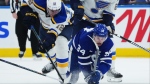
{"x":100,"y":30}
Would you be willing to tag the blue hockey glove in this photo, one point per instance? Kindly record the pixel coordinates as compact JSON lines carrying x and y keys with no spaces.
{"x":78,"y":12}
{"x":30,"y":19}
{"x":48,"y":43}
{"x":93,"y":78}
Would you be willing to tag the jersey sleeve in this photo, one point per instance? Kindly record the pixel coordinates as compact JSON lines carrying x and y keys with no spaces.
{"x":13,"y":6}
{"x":104,"y":62}
{"x":105,"y":57}
{"x":72,"y":2}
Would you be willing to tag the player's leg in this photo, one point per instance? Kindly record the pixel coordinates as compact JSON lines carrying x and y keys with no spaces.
{"x":62,"y":50}
{"x":21,"y":33}
{"x":112,"y":74}
{"x":62,"y":55}
{"x":73,"y":68}
{"x":52,"y":52}
{"x":49,"y":66}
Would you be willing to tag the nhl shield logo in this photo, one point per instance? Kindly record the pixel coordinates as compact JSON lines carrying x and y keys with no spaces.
{"x":54,"y":3}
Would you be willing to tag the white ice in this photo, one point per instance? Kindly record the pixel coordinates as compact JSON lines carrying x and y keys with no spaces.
{"x":134,"y":70}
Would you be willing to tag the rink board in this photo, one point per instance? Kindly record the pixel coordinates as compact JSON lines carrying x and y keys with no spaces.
{"x":121,"y":52}
{"x":131,"y":22}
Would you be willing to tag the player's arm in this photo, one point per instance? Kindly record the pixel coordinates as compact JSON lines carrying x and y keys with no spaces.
{"x":102,"y":66}
{"x":13,"y":6}
{"x":78,"y":10}
{"x":104,"y":62}
{"x":109,"y":14}
{"x":108,"y":21}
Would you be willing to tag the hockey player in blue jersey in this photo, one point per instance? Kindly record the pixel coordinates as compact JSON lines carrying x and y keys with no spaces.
{"x":99,"y":11}
{"x":82,"y":51}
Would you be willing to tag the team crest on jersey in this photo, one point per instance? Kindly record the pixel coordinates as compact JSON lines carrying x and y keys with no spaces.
{"x":94,"y":10}
{"x":101,"y":4}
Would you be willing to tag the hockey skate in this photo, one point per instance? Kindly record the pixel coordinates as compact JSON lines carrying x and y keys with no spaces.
{"x":113,"y":76}
{"x":21,"y":54}
{"x":48,"y":68}
{"x":37,"y":56}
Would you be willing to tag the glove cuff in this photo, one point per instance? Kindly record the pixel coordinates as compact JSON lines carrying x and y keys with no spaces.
{"x":101,"y":75}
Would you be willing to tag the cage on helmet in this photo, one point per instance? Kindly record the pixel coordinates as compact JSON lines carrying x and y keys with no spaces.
{"x":54,"y":4}
{"x":100,"y":30}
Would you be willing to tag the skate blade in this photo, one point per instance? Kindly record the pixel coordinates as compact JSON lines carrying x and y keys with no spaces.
{"x":114,"y":80}
{"x":37,"y":58}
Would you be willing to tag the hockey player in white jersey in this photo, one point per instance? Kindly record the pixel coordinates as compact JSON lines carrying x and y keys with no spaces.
{"x":55,"y":31}
{"x":83,"y":57}
{"x":99,"y":11}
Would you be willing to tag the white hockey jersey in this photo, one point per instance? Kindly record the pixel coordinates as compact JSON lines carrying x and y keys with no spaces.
{"x":98,"y":7}
{"x":52,"y":23}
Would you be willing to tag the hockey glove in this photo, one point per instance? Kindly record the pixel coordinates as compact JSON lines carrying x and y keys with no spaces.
{"x":93,"y":78}
{"x":107,"y":20}
{"x":48,"y":43}
{"x":30,"y":19}
{"x":78,"y":12}
{"x":111,"y":30}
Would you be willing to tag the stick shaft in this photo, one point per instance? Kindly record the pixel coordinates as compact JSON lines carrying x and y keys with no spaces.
{"x":97,"y":54}
{"x":39,"y":39}
{"x":133,"y":43}
{"x":28,"y":69}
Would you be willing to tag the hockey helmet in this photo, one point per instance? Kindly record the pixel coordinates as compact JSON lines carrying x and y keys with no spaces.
{"x":54,"y":6}
{"x":100,"y":30}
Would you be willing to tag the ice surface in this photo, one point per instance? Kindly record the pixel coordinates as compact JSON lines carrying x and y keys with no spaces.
{"x":134,"y":70}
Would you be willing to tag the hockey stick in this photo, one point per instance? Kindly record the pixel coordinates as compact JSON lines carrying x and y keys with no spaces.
{"x":29,"y":69}
{"x":97,"y":54}
{"x":28,"y":37}
{"x":133,"y":43}
{"x":39,"y":39}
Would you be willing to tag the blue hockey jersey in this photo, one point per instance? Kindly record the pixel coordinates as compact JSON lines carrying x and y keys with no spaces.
{"x":84,"y":46}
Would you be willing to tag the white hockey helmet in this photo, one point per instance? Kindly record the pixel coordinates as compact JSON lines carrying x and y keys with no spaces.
{"x":53,"y":7}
